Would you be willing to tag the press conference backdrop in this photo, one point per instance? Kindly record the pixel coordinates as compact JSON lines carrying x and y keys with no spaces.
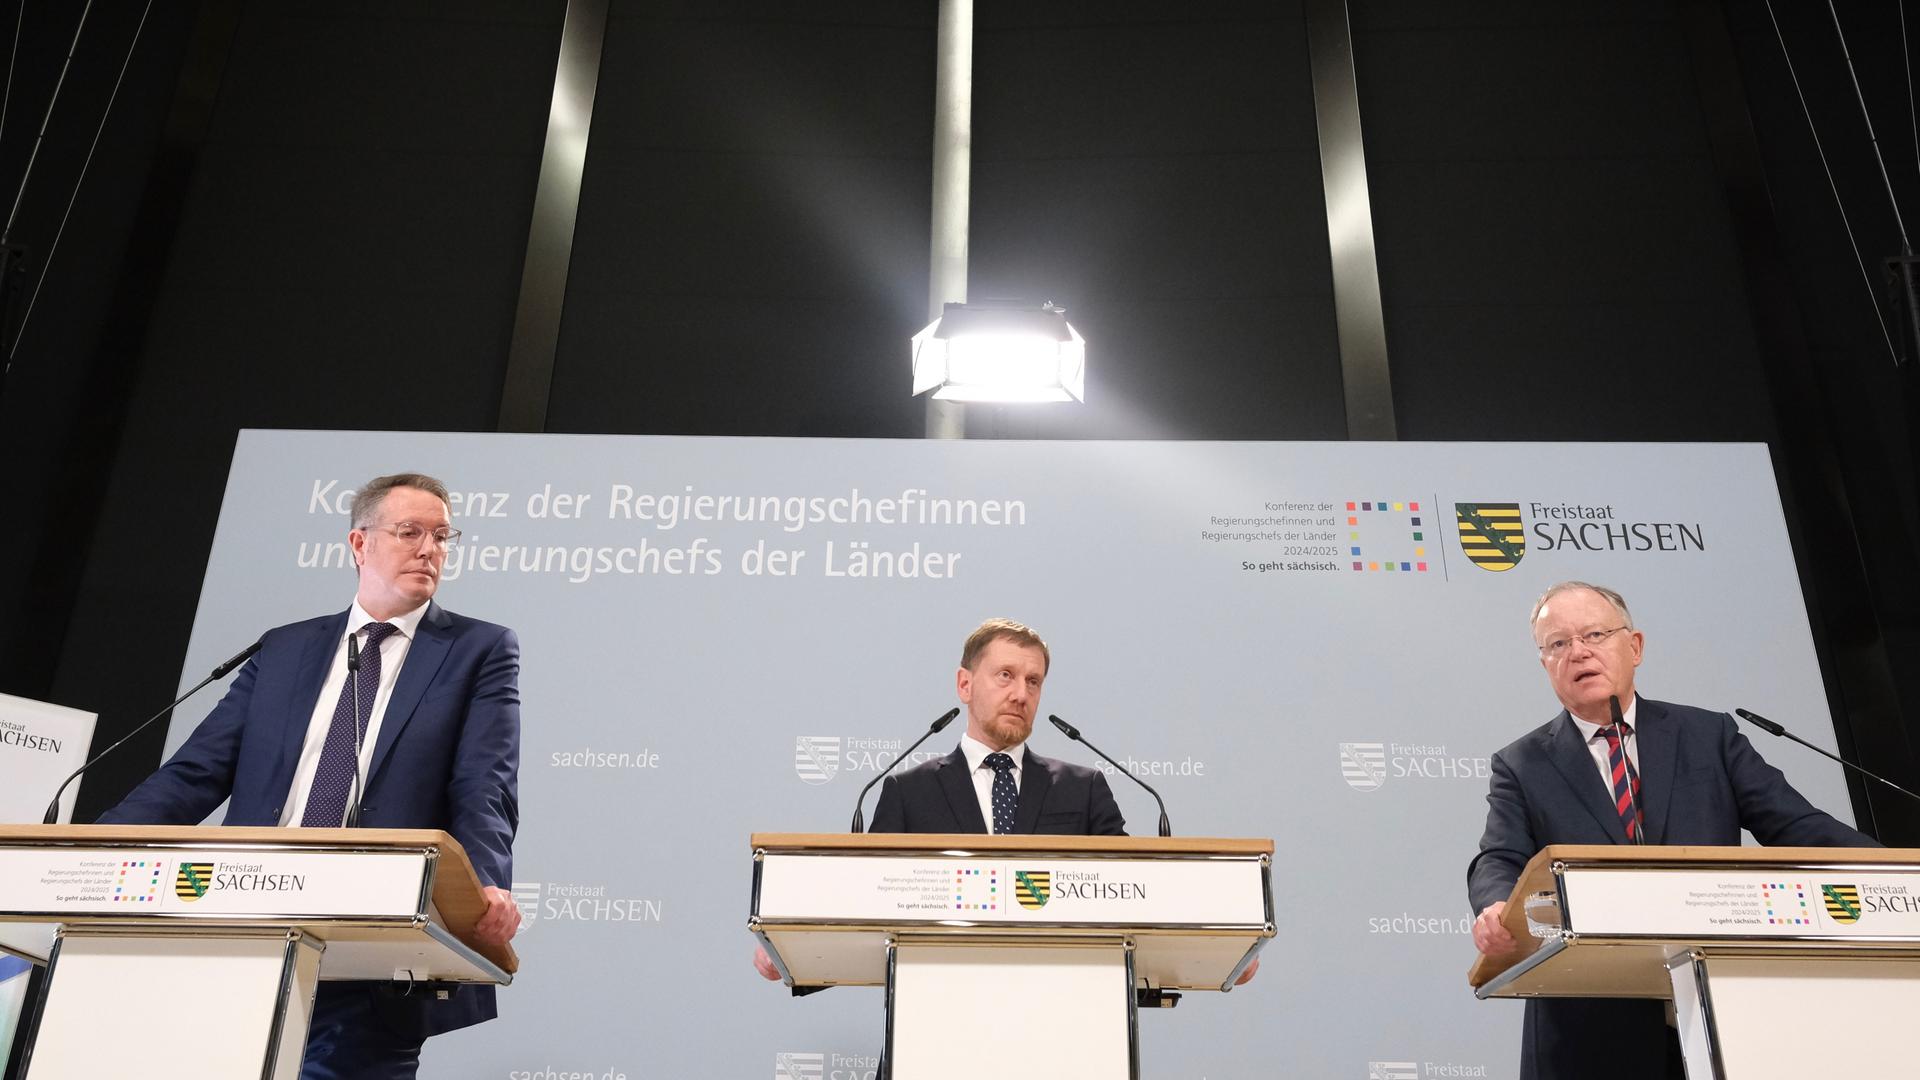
{"x":724,"y":635}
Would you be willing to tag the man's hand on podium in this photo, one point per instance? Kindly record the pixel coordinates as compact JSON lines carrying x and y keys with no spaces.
{"x":763,"y":964}
{"x":502,"y":918}
{"x":1247,"y":975}
{"x":1490,"y":935}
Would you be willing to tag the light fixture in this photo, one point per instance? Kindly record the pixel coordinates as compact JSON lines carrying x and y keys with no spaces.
{"x":1000,"y":352}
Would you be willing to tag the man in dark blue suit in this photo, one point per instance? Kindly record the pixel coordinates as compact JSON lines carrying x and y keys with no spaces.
{"x":991,"y":777}
{"x":439,"y":732}
{"x":1676,"y":775}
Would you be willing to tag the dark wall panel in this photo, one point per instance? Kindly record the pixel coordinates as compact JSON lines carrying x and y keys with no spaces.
{"x":1554,"y":245}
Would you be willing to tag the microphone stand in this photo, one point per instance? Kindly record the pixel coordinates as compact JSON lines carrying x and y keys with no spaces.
{"x":859,"y":818}
{"x":1073,"y":733}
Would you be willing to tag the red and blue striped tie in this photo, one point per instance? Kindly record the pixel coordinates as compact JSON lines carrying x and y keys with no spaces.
{"x":1626,"y":780}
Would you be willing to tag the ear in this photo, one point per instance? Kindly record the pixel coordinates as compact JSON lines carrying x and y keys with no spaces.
{"x":357,"y":544}
{"x":963,"y":685}
{"x":1637,"y":643}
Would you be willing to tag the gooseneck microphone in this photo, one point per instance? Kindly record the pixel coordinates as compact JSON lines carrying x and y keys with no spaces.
{"x":352,"y":818}
{"x":221,"y":672}
{"x":1620,"y":732}
{"x":1073,"y":733}
{"x":859,"y":818}
{"x":1772,"y":728}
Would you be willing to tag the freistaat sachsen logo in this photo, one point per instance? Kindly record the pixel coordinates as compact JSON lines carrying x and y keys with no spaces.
{"x":1492,"y":534}
{"x":1363,"y":764}
{"x":1032,"y":888}
{"x":793,"y":1065}
{"x":193,"y":880}
{"x":1843,"y":902}
{"x":816,"y":758}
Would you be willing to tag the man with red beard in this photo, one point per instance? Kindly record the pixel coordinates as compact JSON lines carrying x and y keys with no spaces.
{"x":992,"y":782}
{"x":1668,"y":774}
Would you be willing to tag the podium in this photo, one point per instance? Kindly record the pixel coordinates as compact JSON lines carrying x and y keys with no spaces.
{"x":1780,"y":962}
{"x":195,"y":952}
{"x":1047,"y":944}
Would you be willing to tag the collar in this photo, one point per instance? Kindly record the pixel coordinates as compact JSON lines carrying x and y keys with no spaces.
{"x":1590,"y":731}
{"x":408,"y":624}
{"x":976,"y":752}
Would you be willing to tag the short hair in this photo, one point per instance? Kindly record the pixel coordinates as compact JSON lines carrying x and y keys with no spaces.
{"x":1619,"y":602}
{"x":374,"y":492}
{"x":1001,"y":630}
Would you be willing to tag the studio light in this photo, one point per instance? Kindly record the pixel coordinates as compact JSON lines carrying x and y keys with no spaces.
{"x":1000,"y":352}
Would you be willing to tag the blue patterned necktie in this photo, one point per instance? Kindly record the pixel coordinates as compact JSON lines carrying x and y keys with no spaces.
{"x":333,"y":778}
{"x":1005,"y":798}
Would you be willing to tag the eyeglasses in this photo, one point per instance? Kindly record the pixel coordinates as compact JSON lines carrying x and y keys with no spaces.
{"x":1557,"y":648}
{"x":408,"y":532}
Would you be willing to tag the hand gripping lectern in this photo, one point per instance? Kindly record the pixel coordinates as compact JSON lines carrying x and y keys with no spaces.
{"x":195,"y":952}
{"x":1780,"y":962}
{"x":1048,"y":942}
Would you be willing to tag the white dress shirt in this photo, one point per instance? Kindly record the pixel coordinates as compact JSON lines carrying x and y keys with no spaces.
{"x":393,"y":653}
{"x":976,"y":753}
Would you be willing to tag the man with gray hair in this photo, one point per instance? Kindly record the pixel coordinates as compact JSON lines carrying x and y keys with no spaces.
{"x":427,"y":732}
{"x":1667,"y":774}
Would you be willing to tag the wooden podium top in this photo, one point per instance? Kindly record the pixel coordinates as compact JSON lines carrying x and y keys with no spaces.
{"x":456,"y":888}
{"x":1538,"y":877}
{"x":1116,"y":845}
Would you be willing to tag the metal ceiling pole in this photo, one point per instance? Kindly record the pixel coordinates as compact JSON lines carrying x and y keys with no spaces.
{"x":556,"y":203}
{"x":952,"y":172}
{"x":1357,"y":313}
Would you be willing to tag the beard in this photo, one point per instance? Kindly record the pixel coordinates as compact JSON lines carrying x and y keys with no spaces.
{"x":1009,"y":729}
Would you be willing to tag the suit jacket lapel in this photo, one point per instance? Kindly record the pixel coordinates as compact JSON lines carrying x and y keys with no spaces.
{"x":429,"y":650}
{"x":1036,"y":776}
{"x":1576,"y":766}
{"x":1659,"y":739}
{"x":315,"y":661}
{"x":956,"y":782}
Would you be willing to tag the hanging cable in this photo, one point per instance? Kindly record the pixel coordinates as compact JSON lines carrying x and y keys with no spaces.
{"x":1865,"y":278}
{"x":13,"y":59}
{"x":54,"y":247}
{"x":1872,"y":139}
{"x":6,"y":234}
{"x":1906,"y":55}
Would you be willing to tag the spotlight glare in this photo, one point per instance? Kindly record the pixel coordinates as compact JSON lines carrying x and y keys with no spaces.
{"x":1000,"y":353}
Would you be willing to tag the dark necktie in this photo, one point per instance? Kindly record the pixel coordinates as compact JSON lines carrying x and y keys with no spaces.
{"x":1626,"y":780}
{"x":333,"y":778}
{"x":1005,"y":798}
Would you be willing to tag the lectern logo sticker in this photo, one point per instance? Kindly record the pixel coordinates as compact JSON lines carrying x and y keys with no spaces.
{"x":1843,"y":902}
{"x":1492,"y":534}
{"x":816,"y":758}
{"x":193,"y":880}
{"x":1393,"y":1070}
{"x":1363,"y":764}
{"x":1032,"y":888}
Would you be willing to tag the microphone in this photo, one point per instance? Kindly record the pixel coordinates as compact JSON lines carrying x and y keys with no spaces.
{"x":352,"y":818}
{"x":1621,"y":731}
{"x":1073,"y":733}
{"x":221,"y":672}
{"x":1772,"y":728}
{"x":859,"y":819}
